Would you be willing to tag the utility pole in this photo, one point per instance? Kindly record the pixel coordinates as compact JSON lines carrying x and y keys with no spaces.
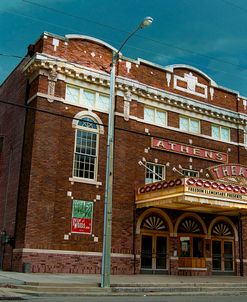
{"x":106,"y":257}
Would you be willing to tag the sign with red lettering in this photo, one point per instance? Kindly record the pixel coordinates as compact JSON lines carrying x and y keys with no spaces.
{"x":226,"y":171}
{"x":189,"y":150}
{"x":82,"y":216}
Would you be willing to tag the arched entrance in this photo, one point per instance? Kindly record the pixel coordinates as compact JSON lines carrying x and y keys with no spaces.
{"x":222,"y":235}
{"x":154,"y":244}
{"x":191,"y":232}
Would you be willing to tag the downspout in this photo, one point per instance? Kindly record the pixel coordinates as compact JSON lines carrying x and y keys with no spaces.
{"x":134,"y":235}
{"x":238,"y":141}
{"x":240,"y":235}
{"x":7,"y":185}
{"x":3,"y":232}
{"x":240,"y":230}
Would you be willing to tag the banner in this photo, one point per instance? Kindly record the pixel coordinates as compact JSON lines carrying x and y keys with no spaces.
{"x":82,"y":217}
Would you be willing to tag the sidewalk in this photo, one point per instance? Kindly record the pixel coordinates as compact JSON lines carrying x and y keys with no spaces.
{"x":9,"y":281}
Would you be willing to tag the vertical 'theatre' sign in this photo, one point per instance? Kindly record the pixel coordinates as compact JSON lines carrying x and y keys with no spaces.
{"x":82,"y":217}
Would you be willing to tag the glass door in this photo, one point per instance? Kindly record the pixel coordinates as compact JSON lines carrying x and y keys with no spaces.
{"x":216,"y":255}
{"x":161,"y":248}
{"x":228,"y":256}
{"x":222,"y":254}
{"x":153,"y":252}
{"x":146,"y":253}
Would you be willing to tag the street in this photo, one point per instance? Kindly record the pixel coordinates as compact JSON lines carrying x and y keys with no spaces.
{"x":240,"y":298}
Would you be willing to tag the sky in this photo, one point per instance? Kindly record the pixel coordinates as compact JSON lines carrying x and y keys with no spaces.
{"x":210,"y":35}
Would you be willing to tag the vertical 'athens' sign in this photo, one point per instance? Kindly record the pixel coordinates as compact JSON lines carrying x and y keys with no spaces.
{"x":82,"y":217}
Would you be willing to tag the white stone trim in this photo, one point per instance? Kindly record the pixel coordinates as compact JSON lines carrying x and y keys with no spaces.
{"x":66,"y":252}
{"x":184,"y":66}
{"x":88,"y":113}
{"x":44,"y":95}
{"x":187,"y":81}
{"x":96,"y":87}
{"x":139,"y":60}
{"x":162,"y":106}
{"x":174,"y":99}
{"x":86,"y":181}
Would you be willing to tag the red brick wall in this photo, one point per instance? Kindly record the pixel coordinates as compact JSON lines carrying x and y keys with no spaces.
{"x":74,"y":264}
{"x":13,"y":90}
{"x":44,"y":209}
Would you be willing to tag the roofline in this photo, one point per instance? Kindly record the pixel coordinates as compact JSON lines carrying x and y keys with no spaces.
{"x":168,"y":68}
{"x":173,"y":66}
{"x":89,"y":38}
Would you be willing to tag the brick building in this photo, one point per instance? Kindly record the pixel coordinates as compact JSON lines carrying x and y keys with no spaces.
{"x":180,"y":175}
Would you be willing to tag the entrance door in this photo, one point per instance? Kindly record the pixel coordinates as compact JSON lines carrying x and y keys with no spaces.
{"x":222,"y":254}
{"x":153,"y":253}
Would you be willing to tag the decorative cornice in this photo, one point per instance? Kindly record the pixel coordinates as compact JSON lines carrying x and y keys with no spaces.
{"x":63,"y":67}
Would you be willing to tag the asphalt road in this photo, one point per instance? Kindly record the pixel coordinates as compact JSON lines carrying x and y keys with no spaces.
{"x":143,"y":299}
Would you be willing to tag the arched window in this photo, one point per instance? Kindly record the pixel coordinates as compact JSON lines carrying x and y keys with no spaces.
{"x":86,"y":149}
{"x":190,"y":225}
{"x":222,"y":228}
{"x":154,"y":223}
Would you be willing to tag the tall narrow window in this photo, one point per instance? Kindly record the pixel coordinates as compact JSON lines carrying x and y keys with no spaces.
{"x":86,"y":149}
{"x":72,"y":94}
{"x":88,"y":98}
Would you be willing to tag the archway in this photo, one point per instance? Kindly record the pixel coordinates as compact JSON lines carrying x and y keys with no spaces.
{"x":191,"y":232}
{"x":154,"y":231}
{"x":223,"y":234}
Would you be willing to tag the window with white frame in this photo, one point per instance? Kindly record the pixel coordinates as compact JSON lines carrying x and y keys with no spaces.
{"x":190,"y":173}
{"x":87,"y":98}
{"x":154,"y":172}
{"x":189,"y":124}
{"x":220,"y":133}
{"x":154,"y":116}
{"x":86,"y":149}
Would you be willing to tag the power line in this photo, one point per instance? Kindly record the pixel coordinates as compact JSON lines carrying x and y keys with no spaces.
{"x":143,"y":50}
{"x":10,"y":56}
{"x":186,"y":62}
{"x":137,"y":35}
{"x":71,"y":118}
{"x":78,"y":119}
{"x":73,"y":16}
{"x":39,"y":20}
{"x":235,"y":5}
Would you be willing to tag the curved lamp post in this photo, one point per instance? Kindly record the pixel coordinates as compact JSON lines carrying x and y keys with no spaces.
{"x":106,"y":257}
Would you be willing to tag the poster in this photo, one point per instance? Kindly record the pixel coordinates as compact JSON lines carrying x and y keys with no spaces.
{"x":82,"y":217}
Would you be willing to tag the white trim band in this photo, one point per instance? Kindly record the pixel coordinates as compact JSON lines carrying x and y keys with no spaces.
{"x":66,"y":252}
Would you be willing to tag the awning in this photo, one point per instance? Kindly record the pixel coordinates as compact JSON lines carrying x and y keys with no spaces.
{"x":194,"y":194}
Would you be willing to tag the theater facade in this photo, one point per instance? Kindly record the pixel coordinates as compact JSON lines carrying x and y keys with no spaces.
{"x":180,"y":165}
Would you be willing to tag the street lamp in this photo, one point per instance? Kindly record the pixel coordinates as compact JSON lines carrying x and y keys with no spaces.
{"x":106,"y":257}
